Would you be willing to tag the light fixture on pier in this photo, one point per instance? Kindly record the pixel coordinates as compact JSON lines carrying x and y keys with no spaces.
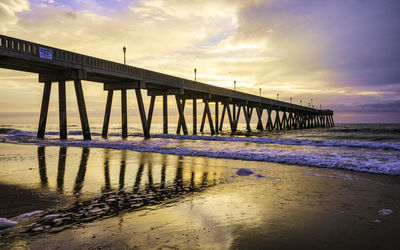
{"x":320,"y":106}
{"x":277,"y":96}
{"x":124,"y":49}
{"x":260,"y":91}
{"x":234,"y":85}
{"x":290,"y":99}
{"x":301,"y":103}
{"x":195,"y":73}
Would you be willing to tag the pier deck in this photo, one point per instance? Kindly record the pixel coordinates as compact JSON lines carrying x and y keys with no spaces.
{"x":57,"y":65}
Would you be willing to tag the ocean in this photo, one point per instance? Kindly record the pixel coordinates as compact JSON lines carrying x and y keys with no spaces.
{"x":373,"y":148}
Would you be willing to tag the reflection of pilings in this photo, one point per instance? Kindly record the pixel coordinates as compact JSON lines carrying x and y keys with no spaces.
{"x":122,"y":170}
{"x":107,"y":182}
{"x":80,"y":177}
{"x":150,"y":175}
{"x":139,"y":173}
{"x":179,"y":173}
{"x":163,"y":170}
{"x":62,"y":155}
{"x":192,"y":180}
{"x":204,"y":179}
{"x":42,"y":167}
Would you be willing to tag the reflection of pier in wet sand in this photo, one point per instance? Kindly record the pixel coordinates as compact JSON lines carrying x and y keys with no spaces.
{"x":168,"y":179}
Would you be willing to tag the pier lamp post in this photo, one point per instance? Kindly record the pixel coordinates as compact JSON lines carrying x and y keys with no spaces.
{"x":124,"y":49}
{"x":301,"y":103}
{"x":309,"y":105}
{"x":290,"y":99}
{"x":277,"y":96}
{"x":195,"y":72}
{"x":311,"y":102}
{"x":320,"y":106}
{"x":260,"y":91}
{"x":234,"y":85}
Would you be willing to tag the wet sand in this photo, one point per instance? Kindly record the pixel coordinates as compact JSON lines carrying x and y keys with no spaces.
{"x":104,"y":198}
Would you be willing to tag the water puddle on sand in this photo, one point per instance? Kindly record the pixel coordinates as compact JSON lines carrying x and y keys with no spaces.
{"x":80,"y":198}
{"x":80,"y":185}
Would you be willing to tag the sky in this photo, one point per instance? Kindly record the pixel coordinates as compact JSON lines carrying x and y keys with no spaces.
{"x":342,"y":54}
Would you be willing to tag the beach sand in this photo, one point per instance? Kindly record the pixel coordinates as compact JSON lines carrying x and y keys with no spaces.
{"x":148,"y":200}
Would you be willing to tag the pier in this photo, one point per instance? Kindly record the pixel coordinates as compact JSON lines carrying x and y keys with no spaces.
{"x":55,"y":65}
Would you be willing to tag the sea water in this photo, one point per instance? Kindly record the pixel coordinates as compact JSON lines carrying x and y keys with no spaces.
{"x":373,"y":148}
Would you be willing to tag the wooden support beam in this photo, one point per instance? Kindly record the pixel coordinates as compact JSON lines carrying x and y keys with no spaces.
{"x":237,"y":117}
{"x":124,"y":114}
{"x":231,"y":120}
{"x":142,"y":113}
{"x":311,"y":120}
{"x":208,"y":112}
{"x":290,"y":120}
{"x":178,"y":128}
{"x":246,"y":117}
{"x":107,"y":114}
{"x":82,"y":110}
{"x":181,"y":114}
{"x":203,"y":119}
{"x":194,"y":116}
{"x":150,"y":115}
{"x":234,"y":112}
{"x":62,"y":109}
{"x":293,"y":120}
{"x":196,"y":95}
{"x":333,"y":122}
{"x":44,"y":110}
{"x":222,"y":117}
{"x":63,"y":75}
{"x":259,"y":111}
{"x":250,"y":111}
{"x":165,"y":114}
{"x":124,"y":85}
{"x":315,"y":120}
{"x":277,"y":123}
{"x":284,"y":120}
{"x":216,"y":118}
{"x":269,"y":126}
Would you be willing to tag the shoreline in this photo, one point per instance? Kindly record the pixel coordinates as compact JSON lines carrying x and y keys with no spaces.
{"x":286,"y":206}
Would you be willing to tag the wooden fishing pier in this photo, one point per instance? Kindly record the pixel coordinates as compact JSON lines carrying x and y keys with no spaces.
{"x":58,"y":66}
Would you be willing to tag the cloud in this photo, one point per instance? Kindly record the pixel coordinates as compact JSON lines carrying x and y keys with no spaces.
{"x":8,"y":13}
{"x":333,"y":52}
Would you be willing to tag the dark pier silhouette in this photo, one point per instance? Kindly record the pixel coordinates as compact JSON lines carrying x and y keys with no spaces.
{"x":57,"y":65}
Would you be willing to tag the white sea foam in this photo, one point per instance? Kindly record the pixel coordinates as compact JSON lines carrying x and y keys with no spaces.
{"x":294,"y":142}
{"x":289,"y":151}
{"x":5,"y":223}
{"x":385,"y":211}
{"x":27,"y":215}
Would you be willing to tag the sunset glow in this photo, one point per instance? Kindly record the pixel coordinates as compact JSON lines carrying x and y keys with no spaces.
{"x":342,"y":54}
